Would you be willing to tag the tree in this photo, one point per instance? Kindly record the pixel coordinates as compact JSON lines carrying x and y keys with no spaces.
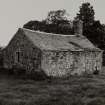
{"x":56,"y":22}
{"x":32,"y":25}
{"x":56,"y":17}
{"x":92,"y":29}
{"x":86,"y":14}
{"x":1,"y":56}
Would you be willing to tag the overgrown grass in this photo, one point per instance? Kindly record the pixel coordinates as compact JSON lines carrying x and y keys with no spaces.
{"x":87,"y":90}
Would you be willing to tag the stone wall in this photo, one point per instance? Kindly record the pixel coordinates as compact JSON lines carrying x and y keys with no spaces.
{"x":93,"y":61}
{"x":29,"y":57}
{"x":65,"y":63}
{"x":56,"y":63}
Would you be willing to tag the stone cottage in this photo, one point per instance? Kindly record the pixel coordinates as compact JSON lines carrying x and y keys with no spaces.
{"x":55,"y":55}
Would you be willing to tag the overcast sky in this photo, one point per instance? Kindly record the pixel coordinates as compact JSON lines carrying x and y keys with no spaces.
{"x":15,"y":13}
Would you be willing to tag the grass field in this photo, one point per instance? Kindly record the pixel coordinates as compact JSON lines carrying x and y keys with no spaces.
{"x":88,"y":90}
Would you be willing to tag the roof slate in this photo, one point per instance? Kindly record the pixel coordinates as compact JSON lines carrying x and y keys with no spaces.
{"x":50,"y":41}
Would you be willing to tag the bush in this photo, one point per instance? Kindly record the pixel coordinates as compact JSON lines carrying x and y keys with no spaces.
{"x":37,"y":75}
{"x":96,"y":72}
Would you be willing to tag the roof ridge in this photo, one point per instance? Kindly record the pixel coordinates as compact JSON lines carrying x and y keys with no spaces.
{"x":42,"y":32}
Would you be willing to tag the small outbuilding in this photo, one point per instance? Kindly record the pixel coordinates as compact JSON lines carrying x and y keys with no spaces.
{"x":55,"y":55}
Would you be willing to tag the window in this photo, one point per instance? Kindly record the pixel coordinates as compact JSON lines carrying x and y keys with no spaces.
{"x":18,"y":56}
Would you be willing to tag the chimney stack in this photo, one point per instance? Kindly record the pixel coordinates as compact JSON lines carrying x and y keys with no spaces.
{"x":78,"y":27}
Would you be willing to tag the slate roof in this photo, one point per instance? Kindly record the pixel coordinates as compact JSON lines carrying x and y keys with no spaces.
{"x":49,"y":41}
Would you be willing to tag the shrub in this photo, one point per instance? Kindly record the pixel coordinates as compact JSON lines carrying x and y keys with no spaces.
{"x":96,"y":72}
{"x":37,"y":75}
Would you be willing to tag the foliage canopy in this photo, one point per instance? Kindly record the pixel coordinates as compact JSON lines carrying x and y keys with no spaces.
{"x":56,"y":22}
